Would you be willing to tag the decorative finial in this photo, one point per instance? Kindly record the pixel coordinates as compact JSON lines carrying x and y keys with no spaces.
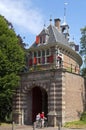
{"x":50,"y":19}
{"x":44,"y":25}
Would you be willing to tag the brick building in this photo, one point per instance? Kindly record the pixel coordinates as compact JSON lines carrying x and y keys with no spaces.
{"x":52,"y":82}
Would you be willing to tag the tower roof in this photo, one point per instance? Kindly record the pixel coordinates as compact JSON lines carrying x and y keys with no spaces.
{"x":53,"y":36}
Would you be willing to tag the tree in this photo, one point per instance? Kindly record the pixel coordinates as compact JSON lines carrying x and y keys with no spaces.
{"x":83,"y":44}
{"x":83,"y":72}
{"x":83,"y":50}
{"x":12,"y":60}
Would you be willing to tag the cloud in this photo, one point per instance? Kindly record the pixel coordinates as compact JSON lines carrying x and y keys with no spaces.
{"x":22,"y":14}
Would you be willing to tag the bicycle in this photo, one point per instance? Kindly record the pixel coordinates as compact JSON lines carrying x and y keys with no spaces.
{"x":38,"y":123}
{"x":45,"y":122}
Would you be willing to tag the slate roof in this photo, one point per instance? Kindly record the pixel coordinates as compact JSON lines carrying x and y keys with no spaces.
{"x":54,"y":36}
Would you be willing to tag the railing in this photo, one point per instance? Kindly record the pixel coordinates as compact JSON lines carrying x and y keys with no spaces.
{"x":69,"y":67}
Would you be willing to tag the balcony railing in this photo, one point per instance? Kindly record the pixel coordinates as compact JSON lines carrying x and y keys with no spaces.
{"x":67,"y":66}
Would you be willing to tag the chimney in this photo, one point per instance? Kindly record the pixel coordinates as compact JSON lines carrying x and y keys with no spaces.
{"x":57,"y":23}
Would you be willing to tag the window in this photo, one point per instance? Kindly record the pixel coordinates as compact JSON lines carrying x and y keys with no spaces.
{"x":39,"y":57}
{"x":35,"y":54}
{"x":47,"y":52}
{"x":43,"y":53}
{"x":42,"y":39}
{"x":39,"y":53}
{"x":47,"y":55}
{"x":43,"y":57}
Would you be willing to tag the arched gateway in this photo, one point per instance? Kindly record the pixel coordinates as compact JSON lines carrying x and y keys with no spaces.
{"x":37,"y":93}
{"x":39,"y":102}
{"x":52,"y":82}
{"x":32,"y":98}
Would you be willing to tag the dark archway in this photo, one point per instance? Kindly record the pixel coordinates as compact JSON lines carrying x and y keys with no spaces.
{"x":39,"y":102}
{"x":36,"y":102}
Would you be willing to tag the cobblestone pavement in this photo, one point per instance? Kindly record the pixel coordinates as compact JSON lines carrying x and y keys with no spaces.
{"x":31,"y":128}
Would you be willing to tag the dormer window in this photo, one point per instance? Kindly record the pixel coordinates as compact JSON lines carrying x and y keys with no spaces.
{"x":42,"y":39}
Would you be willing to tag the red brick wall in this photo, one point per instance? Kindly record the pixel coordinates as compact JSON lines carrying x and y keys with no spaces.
{"x":74,"y":89}
{"x":69,"y":63}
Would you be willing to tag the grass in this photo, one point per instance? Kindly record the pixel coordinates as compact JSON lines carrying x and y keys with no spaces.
{"x":5,"y":124}
{"x":75,"y":124}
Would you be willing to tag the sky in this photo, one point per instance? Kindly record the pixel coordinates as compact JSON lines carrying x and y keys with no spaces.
{"x":28,"y":17}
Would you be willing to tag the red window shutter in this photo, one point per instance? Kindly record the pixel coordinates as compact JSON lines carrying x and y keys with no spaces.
{"x":51,"y":59}
{"x":37,"y":39}
{"x":35,"y":60}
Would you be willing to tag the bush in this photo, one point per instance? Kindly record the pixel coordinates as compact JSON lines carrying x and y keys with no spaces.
{"x":83,"y":116}
{"x":8,"y":118}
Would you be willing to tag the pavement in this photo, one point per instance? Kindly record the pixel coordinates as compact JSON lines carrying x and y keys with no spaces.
{"x":27,"y":127}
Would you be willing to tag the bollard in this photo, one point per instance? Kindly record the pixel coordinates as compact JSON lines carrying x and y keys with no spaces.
{"x":34,"y":125}
{"x":13,"y":126}
{"x":59,"y":126}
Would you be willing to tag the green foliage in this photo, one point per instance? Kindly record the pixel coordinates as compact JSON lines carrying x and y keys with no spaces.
{"x":75,"y":124}
{"x":83,"y":50}
{"x":12,"y":61}
{"x":83,"y":116}
{"x":83,"y":72}
{"x":8,"y":118}
{"x":83,"y":41}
